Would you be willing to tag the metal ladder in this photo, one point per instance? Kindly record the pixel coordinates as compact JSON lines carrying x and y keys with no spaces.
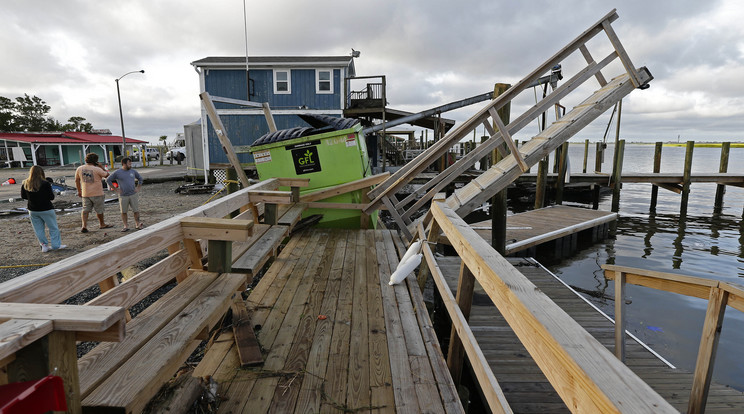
{"x":515,"y":161}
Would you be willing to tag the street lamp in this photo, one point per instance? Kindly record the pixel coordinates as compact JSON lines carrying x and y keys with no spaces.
{"x":121,"y":117}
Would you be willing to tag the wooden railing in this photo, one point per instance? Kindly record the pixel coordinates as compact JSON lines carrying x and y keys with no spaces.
{"x":719,"y":295}
{"x":583,"y":372}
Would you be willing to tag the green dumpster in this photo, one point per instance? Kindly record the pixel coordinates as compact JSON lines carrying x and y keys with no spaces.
{"x":326,"y":155}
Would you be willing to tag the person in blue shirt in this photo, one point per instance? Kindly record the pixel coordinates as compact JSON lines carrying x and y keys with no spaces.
{"x":128,"y":191}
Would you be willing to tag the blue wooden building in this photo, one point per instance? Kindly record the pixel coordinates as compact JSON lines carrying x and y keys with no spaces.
{"x":290,"y":85}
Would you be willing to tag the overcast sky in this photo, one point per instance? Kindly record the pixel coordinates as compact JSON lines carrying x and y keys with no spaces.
{"x":68,"y":52}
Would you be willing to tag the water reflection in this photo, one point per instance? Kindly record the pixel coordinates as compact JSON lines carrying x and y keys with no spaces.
{"x":686,"y":233}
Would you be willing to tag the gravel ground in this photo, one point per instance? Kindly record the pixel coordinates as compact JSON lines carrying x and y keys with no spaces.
{"x":21,"y":252}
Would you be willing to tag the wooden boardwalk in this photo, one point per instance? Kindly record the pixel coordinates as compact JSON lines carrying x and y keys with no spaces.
{"x":535,"y":227}
{"x":335,"y":336}
{"x":525,"y":386}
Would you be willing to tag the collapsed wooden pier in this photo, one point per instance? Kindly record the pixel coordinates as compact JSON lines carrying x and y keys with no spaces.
{"x":322,"y":330}
{"x":336,"y":336}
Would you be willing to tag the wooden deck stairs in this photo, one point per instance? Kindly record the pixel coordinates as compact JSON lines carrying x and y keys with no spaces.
{"x":515,"y":160}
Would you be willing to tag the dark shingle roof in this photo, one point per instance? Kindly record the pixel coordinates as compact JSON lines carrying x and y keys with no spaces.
{"x":214,"y":61}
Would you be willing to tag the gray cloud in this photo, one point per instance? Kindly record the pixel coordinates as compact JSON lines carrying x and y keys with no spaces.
{"x":432,"y":52}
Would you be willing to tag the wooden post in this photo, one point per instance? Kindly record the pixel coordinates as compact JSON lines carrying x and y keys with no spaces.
{"x":686,"y":177}
{"x":723,"y":167}
{"x":431,"y":238}
{"x":542,"y":180}
{"x":195,"y":253}
{"x":219,"y":256}
{"x":484,"y":164}
{"x":620,"y":315}
{"x":57,"y":351}
{"x":364,"y":220}
{"x":499,"y":200}
{"x":557,"y":159}
{"x":598,"y":156}
{"x":563,"y":164}
{"x":586,"y":155}
{"x":464,"y":298}
{"x":657,"y":168}
{"x":231,"y":187}
{"x":617,"y":174}
{"x":219,"y":129}
{"x":271,"y":213}
{"x":707,"y":352}
{"x":173,"y":248}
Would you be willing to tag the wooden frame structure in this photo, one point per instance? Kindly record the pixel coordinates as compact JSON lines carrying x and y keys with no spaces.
{"x":518,"y":160}
{"x":719,"y":295}
{"x":582,"y":371}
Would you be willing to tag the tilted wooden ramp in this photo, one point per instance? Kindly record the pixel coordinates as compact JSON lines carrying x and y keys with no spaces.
{"x":515,"y":161}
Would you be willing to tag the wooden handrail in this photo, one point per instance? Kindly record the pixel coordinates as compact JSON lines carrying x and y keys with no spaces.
{"x":575,"y":363}
{"x":435,"y":151}
{"x":61,"y":280}
{"x":718,"y":293}
{"x":344,"y":188}
{"x":489,"y":384}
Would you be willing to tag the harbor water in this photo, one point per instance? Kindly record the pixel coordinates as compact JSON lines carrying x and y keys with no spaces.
{"x":700,"y":243}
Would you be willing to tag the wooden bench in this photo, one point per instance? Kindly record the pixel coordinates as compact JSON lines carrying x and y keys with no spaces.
{"x":123,"y":376}
{"x":152,"y":353}
{"x":261,"y":249}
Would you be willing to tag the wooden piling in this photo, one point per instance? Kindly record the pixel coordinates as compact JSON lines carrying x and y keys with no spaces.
{"x":657,"y":168}
{"x":542,"y":178}
{"x":557,"y":159}
{"x":617,"y":172}
{"x":231,"y":179}
{"x":597,"y":168}
{"x":586,"y":155}
{"x":498,"y":213}
{"x":686,"y":177}
{"x":723,"y":167}
{"x":563,"y":165}
{"x":498,"y":202}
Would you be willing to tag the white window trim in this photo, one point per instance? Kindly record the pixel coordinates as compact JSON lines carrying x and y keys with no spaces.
{"x":317,"y":82}
{"x":289,"y":82}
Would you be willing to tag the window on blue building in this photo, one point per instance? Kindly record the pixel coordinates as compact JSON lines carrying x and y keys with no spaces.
{"x":282,"y":81}
{"x":323,"y":81}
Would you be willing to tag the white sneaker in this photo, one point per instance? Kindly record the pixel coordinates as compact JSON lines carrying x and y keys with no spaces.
{"x":62,"y":246}
{"x":44,"y":248}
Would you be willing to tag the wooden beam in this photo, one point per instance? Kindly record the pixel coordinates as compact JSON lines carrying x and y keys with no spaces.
{"x":269,"y":116}
{"x":707,"y":352}
{"x":620,"y":316}
{"x":620,"y":50}
{"x":508,"y":139}
{"x":583,"y":372}
{"x":193,"y":248}
{"x":736,"y":295}
{"x":464,"y":298}
{"x":210,"y":228}
{"x":344,"y":188}
{"x":403,"y":226}
{"x":293,"y":182}
{"x":219,"y":128}
{"x":488,"y":383}
{"x":65,"y":317}
{"x":600,"y":78}
{"x":18,"y":333}
{"x":271,"y":196}
{"x":670,"y":282}
{"x":249,"y":351}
